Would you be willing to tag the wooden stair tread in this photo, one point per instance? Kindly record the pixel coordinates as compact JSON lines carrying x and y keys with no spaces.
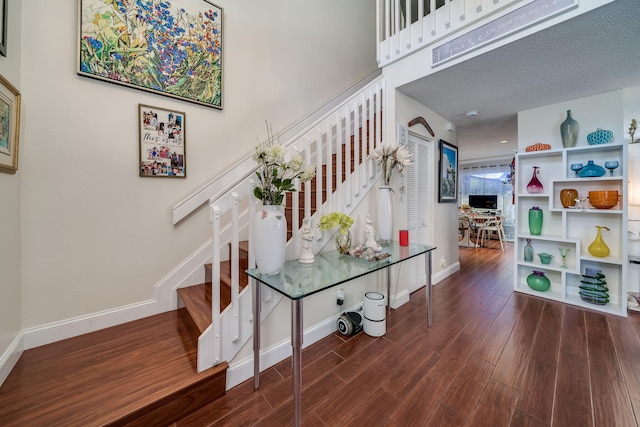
{"x":197,"y":302}
{"x":141,"y":372}
{"x":197,"y":299}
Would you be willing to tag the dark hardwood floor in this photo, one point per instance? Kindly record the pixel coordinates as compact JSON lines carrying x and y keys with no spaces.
{"x":492,"y":358}
{"x":138,"y":373}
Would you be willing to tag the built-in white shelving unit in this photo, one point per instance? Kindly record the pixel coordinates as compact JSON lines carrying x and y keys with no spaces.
{"x":574,"y":227}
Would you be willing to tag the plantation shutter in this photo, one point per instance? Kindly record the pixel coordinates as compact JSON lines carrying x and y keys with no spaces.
{"x":418,"y":202}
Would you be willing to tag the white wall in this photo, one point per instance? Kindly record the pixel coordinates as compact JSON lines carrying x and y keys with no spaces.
{"x":95,"y":236}
{"x":443,"y":220}
{"x":10,"y":245}
{"x":631,"y":101}
{"x":600,"y":111}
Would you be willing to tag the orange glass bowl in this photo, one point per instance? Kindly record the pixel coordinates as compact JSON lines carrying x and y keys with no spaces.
{"x":604,"y":199}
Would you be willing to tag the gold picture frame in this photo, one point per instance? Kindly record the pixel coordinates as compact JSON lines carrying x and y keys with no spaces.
{"x":9,"y":126}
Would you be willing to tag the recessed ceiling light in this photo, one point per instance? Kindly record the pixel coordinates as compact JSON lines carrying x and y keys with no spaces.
{"x":503,"y":141}
{"x":473,"y":113}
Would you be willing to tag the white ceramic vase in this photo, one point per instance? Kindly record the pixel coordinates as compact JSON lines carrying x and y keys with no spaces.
{"x":269,"y":238}
{"x":385,"y":214}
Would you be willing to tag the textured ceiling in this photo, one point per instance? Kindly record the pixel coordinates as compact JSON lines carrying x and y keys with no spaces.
{"x":596,"y":52}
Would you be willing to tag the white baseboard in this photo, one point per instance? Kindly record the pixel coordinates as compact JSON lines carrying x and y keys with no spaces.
{"x":242,"y":370}
{"x":444,"y":273}
{"x":189,"y":272}
{"x":10,"y":357}
{"x":52,"y":332}
{"x":400,"y":299}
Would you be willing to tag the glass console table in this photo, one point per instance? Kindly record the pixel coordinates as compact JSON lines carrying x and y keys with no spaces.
{"x":297,"y":281}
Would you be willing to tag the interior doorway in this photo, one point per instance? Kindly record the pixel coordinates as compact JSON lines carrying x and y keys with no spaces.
{"x":481,"y":181}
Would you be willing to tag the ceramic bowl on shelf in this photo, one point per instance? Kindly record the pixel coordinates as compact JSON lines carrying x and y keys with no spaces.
{"x":538,"y":146}
{"x":600,"y":136}
{"x":545,"y":258}
{"x":603,"y":199}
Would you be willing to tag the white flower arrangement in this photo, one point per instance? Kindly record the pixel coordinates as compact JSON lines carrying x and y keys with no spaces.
{"x":389,"y":158}
{"x":278,"y":168}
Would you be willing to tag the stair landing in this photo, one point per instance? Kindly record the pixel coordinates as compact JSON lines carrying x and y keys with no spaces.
{"x":138,"y":373}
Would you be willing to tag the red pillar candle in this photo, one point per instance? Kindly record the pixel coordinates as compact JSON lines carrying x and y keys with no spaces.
{"x":404,"y":237}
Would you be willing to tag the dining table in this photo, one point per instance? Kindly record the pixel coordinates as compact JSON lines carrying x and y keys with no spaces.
{"x":475,"y":221}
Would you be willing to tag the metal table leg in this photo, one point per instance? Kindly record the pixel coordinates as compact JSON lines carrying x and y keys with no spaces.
{"x":428,"y":286}
{"x":296,"y":342}
{"x":388,"y":289}
{"x":256,"y":334}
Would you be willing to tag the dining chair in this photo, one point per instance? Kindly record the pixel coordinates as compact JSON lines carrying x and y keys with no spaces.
{"x":492,"y":226}
{"x":464,"y":226}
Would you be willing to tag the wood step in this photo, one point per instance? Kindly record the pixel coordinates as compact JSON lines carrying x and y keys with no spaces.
{"x":197,"y":299}
{"x":137,"y":373}
{"x":197,"y":305}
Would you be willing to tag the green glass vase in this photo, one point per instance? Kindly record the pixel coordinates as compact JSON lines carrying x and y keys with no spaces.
{"x":535,"y":221}
{"x":343,"y":242}
{"x":538,"y":281}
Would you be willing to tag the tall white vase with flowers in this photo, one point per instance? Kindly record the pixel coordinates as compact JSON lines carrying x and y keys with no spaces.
{"x":278,"y":168}
{"x":389,"y":158}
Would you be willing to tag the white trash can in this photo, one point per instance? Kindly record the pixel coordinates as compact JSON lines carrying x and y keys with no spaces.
{"x":374,"y":320}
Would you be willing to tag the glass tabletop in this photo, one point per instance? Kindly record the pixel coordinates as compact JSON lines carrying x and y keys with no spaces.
{"x":297,"y":280}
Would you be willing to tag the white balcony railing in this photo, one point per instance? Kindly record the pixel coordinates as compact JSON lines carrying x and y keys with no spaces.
{"x":405,"y":26}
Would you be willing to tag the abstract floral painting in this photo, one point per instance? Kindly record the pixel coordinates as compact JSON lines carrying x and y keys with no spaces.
{"x":173,"y":48}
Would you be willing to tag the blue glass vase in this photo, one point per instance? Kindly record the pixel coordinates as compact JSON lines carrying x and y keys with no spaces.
{"x":591,"y":170}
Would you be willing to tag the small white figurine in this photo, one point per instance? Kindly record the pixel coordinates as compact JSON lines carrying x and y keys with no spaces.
{"x":306,"y":237}
{"x":370,"y":236}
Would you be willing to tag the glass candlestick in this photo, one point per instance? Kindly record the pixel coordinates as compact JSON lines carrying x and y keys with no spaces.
{"x":563,"y":253}
{"x":611,"y":165}
{"x":576,"y":167}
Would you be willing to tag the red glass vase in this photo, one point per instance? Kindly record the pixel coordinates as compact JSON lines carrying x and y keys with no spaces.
{"x":535,"y":186}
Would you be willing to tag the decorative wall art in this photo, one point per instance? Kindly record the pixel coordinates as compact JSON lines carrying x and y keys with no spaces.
{"x":448,"y":173}
{"x":9,"y":126}
{"x":3,"y":27}
{"x":162,"y":142}
{"x":169,"y":47}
